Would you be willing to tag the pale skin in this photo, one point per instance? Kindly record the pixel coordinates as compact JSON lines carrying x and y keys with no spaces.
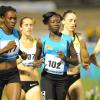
{"x":96,"y":52}
{"x":76,"y":89}
{"x":30,"y":73}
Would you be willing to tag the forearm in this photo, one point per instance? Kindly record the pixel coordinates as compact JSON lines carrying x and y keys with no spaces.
{"x":97,"y":48}
{"x":21,"y":67}
{"x":37,"y":55}
{"x":5,"y":49}
{"x":73,"y":58}
{"x":94,"y":60}
{"x":96,"y":52}
{"x":98,"y":63}
{"x":84,"y":56}
{"x":85,"y":61}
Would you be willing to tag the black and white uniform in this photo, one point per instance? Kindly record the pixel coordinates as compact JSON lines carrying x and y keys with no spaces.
{"x":26,"y":85}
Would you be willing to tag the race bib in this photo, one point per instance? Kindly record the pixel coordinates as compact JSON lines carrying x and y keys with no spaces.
{"x":29,"y":61}
{"x":11,"y":52}
{"x":54,"y":65}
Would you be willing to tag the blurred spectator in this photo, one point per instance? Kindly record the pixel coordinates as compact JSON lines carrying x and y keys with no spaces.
{"x":90,"y":33}
{"x":98,"y":31}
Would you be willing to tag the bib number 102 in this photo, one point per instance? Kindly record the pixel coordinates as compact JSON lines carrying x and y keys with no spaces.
{"x":54,"y":64}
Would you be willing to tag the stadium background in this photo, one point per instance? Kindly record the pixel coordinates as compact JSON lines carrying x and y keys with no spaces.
{"x":88,"y":12}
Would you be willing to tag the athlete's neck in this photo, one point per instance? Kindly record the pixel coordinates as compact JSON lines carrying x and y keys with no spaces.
{"x":27,"y":41}
{"x":26,"y":37}
{"x":55,"y":37}
{"x":65,"y":31}
{"x":6,"y":29}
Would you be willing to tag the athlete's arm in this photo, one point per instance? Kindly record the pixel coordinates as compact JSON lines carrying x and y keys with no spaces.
{"x":9,"y":46}
{"x":97,"y":48}
{"x":72,"y":59}
{"x":38,"y":60}
{"x":84,"y":54}
{"x":94,"y":60}
{"x":38,"y":50}
{"x":98,"y":63}
{"x":23,"y":68}
{"x":23,"y":55}
{"x":93,"y":56}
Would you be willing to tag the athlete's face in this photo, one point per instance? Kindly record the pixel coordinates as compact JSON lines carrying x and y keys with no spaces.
{"x":54,"y":23}
{"x":27,"y":27}
{"x":69,"y":21}
{"x":10,"y":19}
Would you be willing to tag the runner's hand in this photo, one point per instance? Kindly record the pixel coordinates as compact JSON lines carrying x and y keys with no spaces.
{"x":24,"y":55}
{"x":38,"y":63}
{"x":61,"y":55}
{"x":11,"y":45}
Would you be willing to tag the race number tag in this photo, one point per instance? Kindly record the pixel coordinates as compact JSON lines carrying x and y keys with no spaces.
{"x":11,"y":52}
{"x":54,"y":64}
{"x":14,"y":50}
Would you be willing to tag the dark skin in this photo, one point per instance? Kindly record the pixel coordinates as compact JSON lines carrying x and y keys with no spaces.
{"x":94,"y":60}
{"x":7,"y":25}
{"x":9,"y":22}
{"x":54,"y":24}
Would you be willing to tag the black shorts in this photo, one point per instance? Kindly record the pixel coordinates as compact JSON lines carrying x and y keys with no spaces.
{"x":27,"y":85}
{"x":54,"y":87}
{"x":9,"y":76}
{"x":43,"y":87}
{"x":72,"y":78}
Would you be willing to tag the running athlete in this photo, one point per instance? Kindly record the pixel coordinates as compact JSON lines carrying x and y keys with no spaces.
{"x":28,"y":74}
{"x":69,"y":25}
{"x":9,"y":49}
{"x":96,"y":52}
{"x":54,"y":48}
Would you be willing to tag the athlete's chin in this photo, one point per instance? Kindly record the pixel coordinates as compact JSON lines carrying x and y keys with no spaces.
{"x":56,"y":30}
{"x":11,"y":27}
{"x":28,"y":34}
{"x":71,"y":30}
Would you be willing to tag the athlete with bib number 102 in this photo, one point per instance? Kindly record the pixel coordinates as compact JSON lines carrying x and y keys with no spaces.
{"x":58,"y":52}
